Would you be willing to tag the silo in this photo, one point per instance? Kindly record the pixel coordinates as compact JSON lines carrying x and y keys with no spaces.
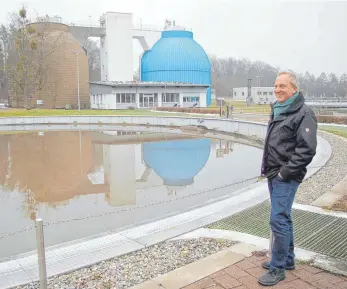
{"x":63,"y":62}
{"x":177,"y":57}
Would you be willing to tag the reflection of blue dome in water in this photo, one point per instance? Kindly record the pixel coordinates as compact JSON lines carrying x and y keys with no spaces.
{"x":177,"y":162}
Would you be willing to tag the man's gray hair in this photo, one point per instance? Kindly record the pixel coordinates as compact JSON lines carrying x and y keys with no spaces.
{"x":294,"y":80}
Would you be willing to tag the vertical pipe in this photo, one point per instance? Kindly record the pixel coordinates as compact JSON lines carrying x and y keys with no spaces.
{"x":220,"y":107}
{"x":78,"y":81}
{"x":41,"y":253}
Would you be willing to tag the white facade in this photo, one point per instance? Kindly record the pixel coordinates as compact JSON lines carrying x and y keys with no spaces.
{"x":146,"y":95}
{"x":116,"y":47}
{"x":260,"y":95}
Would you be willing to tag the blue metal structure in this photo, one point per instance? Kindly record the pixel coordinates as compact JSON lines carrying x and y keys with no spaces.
{"x":177,"y":162}
{"x":177,"y":57}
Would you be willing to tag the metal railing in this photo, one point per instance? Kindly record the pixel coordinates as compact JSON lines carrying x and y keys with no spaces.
{"x":40,"y":225}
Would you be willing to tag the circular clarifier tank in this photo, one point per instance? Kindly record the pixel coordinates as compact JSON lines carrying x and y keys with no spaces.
{"x":100,"y":181}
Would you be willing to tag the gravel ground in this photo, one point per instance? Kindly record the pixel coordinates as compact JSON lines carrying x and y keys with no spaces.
{"x":328,"y":176}
{"x":137,"y":267}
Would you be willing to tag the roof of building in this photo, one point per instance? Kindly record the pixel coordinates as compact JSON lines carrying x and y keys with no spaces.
{"x":146,"y":83}
{"x":176,"y":51}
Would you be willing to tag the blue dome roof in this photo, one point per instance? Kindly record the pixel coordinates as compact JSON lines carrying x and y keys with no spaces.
{"x":176,"y":50}
{"x":177,"y":162}
{"x":177,"y":57}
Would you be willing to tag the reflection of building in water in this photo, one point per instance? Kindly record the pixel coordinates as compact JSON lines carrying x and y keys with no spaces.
{"x":49,"y":166}
{"x":225,"y":148}
{"x":56,"y":167}
{"x":119,"y":174}
{"x":177,"y":162}
{"x":49,"y":169}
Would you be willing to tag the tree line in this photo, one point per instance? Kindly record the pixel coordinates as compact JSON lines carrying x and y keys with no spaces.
{"x":228,"y":73}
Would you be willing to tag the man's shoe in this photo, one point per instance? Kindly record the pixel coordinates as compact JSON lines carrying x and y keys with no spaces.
{"x":272,"y":277}
{"x":266,"y":265}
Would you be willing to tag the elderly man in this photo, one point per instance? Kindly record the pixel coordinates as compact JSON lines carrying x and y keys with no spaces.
{"x":290,"y":146}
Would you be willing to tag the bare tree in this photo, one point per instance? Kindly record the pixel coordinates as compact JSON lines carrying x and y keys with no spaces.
{"x":136,"y":75}
{"x":93,"y":53}
{"x":5,"y":45}
{"x":29,"y":60}
{"x":3,"y":77}
{"x":20,"y":60}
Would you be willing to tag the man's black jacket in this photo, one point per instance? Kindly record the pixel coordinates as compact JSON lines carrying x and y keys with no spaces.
{"x":291,"y":142}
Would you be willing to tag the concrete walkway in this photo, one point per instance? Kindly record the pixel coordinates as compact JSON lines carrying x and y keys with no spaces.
{"x":244,"y":275}
{"x":239,"y":267}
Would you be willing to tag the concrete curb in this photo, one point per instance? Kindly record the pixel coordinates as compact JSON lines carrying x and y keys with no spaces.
{"x":198,"y":270}
{"x":254,"y":243}
{"x":335,"y":193}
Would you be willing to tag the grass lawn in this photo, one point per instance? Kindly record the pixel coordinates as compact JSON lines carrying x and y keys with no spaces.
{"x":341,"y":131}
{"x":240,"y":106}
{"x":238,"y":103}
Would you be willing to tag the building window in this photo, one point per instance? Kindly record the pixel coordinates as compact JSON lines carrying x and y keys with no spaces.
{"x":243,"y":94}
{"x":191,"y":99}
{"x":270,"y":93}
{"x":171,"y":97}
{"x":259,"y":93}
{"x":235,"y":93}
{"x":125,"y":97}
{"x":265,"y":93}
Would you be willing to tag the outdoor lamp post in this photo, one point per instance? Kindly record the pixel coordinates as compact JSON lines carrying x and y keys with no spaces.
{"x":78,"y":76}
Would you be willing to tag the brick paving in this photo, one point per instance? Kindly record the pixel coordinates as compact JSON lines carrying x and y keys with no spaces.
{"x":245,"y":274}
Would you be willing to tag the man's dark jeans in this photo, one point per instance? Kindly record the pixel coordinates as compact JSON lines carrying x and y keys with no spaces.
{"x":282,"y":196}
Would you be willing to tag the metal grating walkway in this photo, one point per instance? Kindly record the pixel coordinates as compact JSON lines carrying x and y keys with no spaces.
{"x":312,"y":231}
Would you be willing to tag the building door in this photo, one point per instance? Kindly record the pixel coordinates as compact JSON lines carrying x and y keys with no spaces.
{"x":147,"y":100}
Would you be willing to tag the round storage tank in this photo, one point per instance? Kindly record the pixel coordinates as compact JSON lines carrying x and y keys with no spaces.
{"x":60,"y":84}
{"x":177,"y":57}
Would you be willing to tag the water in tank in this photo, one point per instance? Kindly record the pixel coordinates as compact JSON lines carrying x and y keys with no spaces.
{"x":177,"y":57}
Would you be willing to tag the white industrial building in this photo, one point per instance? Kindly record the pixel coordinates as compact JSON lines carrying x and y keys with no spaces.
{"x":132,"y":94}
{"x":116,"y":33}
{"x":260,"y":95}
{"x":117,"y":88}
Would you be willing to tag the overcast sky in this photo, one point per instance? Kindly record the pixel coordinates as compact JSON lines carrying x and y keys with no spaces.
{"x":297,"y":35}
